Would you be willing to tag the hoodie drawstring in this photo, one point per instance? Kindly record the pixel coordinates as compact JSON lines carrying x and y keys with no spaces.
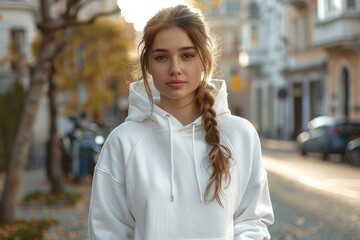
{"x":172,"y":160}
{"x":194,"y":156}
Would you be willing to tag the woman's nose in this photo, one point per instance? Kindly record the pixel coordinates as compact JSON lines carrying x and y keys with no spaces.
{"x":174,"y":68}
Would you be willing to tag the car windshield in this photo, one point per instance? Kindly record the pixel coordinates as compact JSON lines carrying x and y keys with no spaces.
{"x":321,"y":121}
{"x":350,"y":128}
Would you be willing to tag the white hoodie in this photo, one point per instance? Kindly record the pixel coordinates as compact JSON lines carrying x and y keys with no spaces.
{"x":150,"y":178}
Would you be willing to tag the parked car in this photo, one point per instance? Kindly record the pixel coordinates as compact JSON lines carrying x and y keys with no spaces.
{"x":327,"y":135}
{"x":352,"y":152}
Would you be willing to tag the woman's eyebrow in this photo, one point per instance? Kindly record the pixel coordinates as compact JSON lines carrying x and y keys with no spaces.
{"x":180,"y":49}
{"x":187,"y":48}
{"x":159,"y":50}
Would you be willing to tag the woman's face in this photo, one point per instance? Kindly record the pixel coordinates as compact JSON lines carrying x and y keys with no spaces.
{"x":175,"y":66}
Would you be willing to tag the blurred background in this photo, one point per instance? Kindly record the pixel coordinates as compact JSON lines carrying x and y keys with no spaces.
{"x":292,"y":68}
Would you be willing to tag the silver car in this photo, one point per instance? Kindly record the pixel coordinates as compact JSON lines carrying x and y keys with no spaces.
{"x":327,"y":135}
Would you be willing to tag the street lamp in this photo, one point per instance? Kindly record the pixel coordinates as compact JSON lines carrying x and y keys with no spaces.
{"x":243,"y":59}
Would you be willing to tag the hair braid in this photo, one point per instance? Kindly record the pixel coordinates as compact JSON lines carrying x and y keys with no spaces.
{"x":219,"y":155}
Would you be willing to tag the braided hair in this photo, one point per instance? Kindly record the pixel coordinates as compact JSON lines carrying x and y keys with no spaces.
{"x":219,"y":156}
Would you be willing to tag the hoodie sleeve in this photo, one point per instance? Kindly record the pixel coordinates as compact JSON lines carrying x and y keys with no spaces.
{"x":254,"y":213}
{"x":109,"y":215}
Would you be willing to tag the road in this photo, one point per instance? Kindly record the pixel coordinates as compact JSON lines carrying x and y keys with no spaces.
{"x":312,"y":199}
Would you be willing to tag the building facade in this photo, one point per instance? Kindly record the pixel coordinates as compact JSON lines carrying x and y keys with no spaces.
{"x":225,"y":18}
{"x":17,"y":31}
{"x":337,"y":31}
{"x":306,"y":67}
{"x":302,"y":57}
{"x":262,"y":59}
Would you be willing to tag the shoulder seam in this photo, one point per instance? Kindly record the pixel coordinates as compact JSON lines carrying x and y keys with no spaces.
{"x":114,"y":180}
{"x":261,"y":179}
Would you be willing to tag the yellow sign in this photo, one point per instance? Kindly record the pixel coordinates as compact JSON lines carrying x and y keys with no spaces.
{"x":237,"y":84}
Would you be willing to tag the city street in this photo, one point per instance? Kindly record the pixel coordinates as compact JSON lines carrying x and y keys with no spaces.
{"x":72,"y":71}
{"x":313,"y":199}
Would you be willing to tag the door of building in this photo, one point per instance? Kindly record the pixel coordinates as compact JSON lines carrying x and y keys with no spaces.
{"x":297,"y":94}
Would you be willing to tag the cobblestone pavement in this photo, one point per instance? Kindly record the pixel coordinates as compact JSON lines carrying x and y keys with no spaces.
{"x":307,"y":214}
{"x":72,"y":220}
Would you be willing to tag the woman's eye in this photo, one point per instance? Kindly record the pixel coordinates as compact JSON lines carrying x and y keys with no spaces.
{"x":160,"y":58}
{"x":188,"y":56}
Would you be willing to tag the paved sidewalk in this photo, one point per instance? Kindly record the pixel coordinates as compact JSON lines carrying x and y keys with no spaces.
{"x":280,"y":145}
{"x":72,"y":220}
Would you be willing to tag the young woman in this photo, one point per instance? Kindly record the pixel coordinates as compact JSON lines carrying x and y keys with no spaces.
{"x":180,"y":166}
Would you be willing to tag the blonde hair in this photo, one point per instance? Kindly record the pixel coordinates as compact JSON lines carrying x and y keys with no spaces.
{"x":193,"y":23}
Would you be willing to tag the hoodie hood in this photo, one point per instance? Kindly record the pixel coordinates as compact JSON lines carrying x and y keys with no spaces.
{"x":140,"y":109}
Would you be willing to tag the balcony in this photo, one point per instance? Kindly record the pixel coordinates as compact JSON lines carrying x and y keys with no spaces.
{"x":252,"y":58}
{"x":340,"y":31}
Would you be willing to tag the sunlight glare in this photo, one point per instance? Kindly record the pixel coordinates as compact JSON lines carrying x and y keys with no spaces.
{"x":139,"y":12}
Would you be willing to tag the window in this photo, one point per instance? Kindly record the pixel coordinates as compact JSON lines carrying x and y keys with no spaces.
{"x":236,"y":43}
{"x":254,"y":10}
{"x":17,"y":48}
{"x":328,"y":9}
{"x":345,"y":98}
{"x":350,"y":4}
{"x":300,"y":32}
{"x":232,"y":42}
{"x":316,"y":99}
{"x":214,"y":6}
{"x":306,"y":31}
{"x":232,"y":7}
{"x":295,"y":33}
{"x":227,"y":43}
{"x":250,"y":36}
{"x":332,"y":6}
{"x":214,"y":11}
{"x":254,"y":36}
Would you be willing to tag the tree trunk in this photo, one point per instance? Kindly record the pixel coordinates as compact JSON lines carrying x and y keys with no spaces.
{"x":54,"y":159}
{"x":20,"y":149}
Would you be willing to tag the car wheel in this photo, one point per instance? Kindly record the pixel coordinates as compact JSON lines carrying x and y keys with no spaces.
{"x":355,"y":158}
{"x":324,"y":155}
{"x":303,"y":152}
{"x":346,"y":157}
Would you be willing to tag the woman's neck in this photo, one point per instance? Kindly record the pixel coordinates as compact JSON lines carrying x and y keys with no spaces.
{"x":185,"y":113}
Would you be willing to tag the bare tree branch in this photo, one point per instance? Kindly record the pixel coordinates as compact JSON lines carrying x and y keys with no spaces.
{"x":44,"y":9}
{"x":59,"y":45}
{"x":72,"y":8}
{"x":86,"y":3}
{"x":62,"y":24}
{"x":102,"y":14}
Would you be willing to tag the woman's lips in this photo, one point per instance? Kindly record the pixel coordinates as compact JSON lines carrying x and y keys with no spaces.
{"x":175,"y":83}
